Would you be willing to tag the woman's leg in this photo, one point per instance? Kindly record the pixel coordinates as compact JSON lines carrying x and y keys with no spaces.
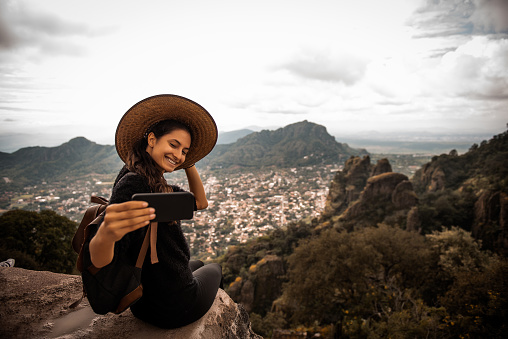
{"x":195,"y":264}
{"x":209,"y":279}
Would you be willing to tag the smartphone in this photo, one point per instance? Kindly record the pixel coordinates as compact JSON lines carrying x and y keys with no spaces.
{"x":169,"y":206}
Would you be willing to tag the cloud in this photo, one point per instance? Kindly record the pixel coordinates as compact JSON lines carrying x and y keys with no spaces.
{"x":40,"y":32}
{"x":6,"y":36}
{"x":477,"y":69}
{"x":461,"y":17}
{"x":328,"y":66}
{"x":491,"y":16}
{"x":443,"y":18}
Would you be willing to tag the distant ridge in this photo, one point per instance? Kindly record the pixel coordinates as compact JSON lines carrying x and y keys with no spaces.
{"x":299,"y":144}
{"x":75,"y":158}
{"x":233,"y":136}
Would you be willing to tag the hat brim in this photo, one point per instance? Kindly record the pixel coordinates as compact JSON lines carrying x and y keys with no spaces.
{"x":136,"y":121}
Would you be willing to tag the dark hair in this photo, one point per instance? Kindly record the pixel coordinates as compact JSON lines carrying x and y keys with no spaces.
{"x":141,"y":162}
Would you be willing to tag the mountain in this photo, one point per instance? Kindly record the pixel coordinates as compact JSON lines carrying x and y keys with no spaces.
{"x":233,"y":136}
{"x":300,"y":144}
{"x":77,"y":158}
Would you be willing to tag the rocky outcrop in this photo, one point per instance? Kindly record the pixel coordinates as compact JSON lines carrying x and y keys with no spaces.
{"x":430,"y":178}
{"x":388,"y":196}
{"x":491,"y":218}
{"x":347,"y":185}
{"x":382,"y":186}
{"x":382,"y":166}
{"x":363,"y":195}
{"x":263,"y":285}
{"x":403,"y":196}
{"x":414,"y":222}
{"x":34,"y":304}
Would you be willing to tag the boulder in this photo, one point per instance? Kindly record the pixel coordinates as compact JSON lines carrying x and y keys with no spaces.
{"x":386,"y":196}
{"x":35,"y":304}
{"x":382,"y":187}
{"x":382,"y":166}
{"x":404,"y":196}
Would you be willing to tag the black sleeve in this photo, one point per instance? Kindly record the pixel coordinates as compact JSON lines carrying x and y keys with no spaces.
{"x":127,"y":248}
{"x":130,"y":184}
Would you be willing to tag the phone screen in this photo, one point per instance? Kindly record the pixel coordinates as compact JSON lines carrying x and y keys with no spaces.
{"x":169,"y":206}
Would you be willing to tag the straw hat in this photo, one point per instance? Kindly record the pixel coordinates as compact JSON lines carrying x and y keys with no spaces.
{"x":143,"y":115}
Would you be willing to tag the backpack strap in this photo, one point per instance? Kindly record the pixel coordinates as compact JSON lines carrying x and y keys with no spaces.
{"x":152,"y":229}
{"x":90,"y":215}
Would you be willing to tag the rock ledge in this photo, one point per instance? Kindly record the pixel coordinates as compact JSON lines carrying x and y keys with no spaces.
{"x":35,"y":304}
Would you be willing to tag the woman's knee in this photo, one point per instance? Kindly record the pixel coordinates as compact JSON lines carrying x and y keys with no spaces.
{"x":211,"y":271}
{"x":195,"y":264}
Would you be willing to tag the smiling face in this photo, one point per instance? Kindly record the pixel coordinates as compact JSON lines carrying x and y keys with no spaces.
{"x":169,"y":150}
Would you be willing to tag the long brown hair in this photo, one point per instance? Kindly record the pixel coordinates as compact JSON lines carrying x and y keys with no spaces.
{"x":141,"y":162}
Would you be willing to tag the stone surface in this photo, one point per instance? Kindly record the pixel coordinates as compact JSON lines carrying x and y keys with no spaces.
{"x":263,"y":285}
{"x":382,"y":166}
{"x":35,"y":304}
{"x":347,"y":185}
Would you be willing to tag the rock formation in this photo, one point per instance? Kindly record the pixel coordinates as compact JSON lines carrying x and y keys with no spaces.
{"x":403,"y":196}
{"x":383,"y":190}
{"x":363,"y":194}
{"x":35,"y":304}
{"x":382,"y":166}
{"x":430,"y":178}
{"x":347,"y":185}
{"x":491,"y":218}
{"x":264,"y":285}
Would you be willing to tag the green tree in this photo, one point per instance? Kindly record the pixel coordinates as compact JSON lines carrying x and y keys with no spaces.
{"x":458,"y":251}
{"x":478,"y":301}
{"x":367,"y":274}
{"x":42,"y":240}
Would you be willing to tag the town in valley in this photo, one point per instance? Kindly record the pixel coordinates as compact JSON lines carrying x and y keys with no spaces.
{"x":243,"y":204}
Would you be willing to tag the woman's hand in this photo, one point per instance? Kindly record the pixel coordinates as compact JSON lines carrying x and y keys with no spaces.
{"x":119,"y":220}
{"x":123,"y":218}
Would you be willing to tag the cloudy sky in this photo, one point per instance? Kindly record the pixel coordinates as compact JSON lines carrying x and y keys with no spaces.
{"x":401,"y":68}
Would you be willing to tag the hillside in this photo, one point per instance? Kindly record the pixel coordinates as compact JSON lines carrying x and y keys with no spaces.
{"x":469,"y":191}
{"x":77,"y":158}
{"x":299,"y":144}
{"x":233,"y":136}
{"x":384,"y":243}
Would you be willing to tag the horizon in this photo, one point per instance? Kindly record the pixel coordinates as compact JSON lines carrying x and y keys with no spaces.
{"x":374,"y":143}
{"x":404,"y":69}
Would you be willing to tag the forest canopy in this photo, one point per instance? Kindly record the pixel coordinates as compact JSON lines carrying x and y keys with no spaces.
{"x":38,"y":240}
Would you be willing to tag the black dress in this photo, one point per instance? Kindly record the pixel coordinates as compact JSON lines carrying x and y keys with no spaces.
{"x":174,"y":293}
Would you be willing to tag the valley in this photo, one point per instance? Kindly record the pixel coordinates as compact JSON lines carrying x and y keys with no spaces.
{"x":244,"y":204}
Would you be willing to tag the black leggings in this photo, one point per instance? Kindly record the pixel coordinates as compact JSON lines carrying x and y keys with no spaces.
{"x":209,"y":280}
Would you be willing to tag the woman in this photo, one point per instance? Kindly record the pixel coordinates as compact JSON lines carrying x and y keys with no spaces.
{"x":158,"y":135}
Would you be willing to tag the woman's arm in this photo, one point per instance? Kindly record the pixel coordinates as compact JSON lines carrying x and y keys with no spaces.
{"x":196,"y":187}
{"x":119,"y":220}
